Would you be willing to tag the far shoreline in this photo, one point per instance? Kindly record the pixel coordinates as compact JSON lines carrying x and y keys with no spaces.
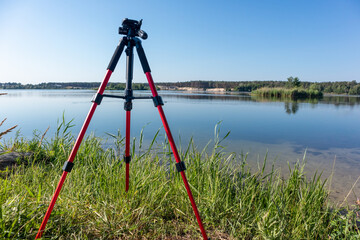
{"x":188,"y":91}
{"x":340,"y":87}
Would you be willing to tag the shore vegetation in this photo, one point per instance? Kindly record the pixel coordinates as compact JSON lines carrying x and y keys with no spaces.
{"x":235,"y":202}
{"x":288,"y":93}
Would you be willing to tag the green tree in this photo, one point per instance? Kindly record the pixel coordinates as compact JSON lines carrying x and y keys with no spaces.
{"x":355,"y":90}
{"x":293,"y":82}
{"x":315,"y":86}
{"x":296,"y":82}
{"x":290,"y":82}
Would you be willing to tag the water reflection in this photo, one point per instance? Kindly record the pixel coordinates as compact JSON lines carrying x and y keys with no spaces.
{"x":48,"y":93}
{"x":291,"y":107}
{"x":341,"y":100}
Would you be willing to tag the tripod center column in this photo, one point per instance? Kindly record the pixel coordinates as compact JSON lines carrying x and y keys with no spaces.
{"x":129,"y":75}
{"x":128,"y":105}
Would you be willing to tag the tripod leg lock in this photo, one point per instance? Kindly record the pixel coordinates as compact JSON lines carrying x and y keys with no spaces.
{"x":127,"y":159}
{"x":97,"y":98}
{"x":157,"y":101}
{"x":128,"y":106}
{"x":180,"y":166}
{"x":68,"y":166}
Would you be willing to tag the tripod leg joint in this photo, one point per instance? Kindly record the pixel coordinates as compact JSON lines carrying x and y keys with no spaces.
{"x":127,"y":106}
{"x":68,"y":166}
{"x":180,"y":166}
{"x":127,"y":159}
{"x":157,"y":101}
{"x":97,"y":98}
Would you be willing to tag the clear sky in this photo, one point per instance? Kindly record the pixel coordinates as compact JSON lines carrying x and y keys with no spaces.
{"x":73,"y":40}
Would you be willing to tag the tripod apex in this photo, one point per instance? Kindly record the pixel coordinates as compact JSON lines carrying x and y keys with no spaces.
{"x":131,"y":28}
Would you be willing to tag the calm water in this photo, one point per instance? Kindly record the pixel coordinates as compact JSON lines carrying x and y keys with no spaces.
{"x":327,"y":129}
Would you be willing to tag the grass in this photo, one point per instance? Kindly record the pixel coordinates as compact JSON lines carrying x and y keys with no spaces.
{"x":234,"y":201}
{"x":293,"y":93}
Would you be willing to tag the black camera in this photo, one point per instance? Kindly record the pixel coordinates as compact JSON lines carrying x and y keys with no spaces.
{"x":131,"y":28}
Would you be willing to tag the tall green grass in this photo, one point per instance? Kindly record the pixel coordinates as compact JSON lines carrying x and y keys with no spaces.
{"x":293,"y":93}
{"x":234,"y":201}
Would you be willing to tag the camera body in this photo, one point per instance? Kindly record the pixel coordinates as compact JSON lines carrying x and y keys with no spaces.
{"x":131,"y":28}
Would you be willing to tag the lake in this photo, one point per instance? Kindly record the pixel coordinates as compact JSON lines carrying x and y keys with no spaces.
{"x":326,"y":129}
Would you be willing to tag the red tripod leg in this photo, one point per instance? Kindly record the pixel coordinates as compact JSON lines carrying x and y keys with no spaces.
{"x":96,"y":101}
{"x":176,"y":154}
{"x":127,"y":150}
{"x":72,"y":155}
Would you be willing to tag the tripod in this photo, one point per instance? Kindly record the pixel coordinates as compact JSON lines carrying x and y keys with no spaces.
{"x":131,"y":29}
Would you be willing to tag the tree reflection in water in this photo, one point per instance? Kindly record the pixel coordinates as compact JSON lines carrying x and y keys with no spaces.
{"x":291,"y":107}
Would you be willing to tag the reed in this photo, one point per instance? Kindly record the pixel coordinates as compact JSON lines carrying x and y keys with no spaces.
{"x":7,"y":130}
{"x":293,"y":93}
{"x":235,"y":202}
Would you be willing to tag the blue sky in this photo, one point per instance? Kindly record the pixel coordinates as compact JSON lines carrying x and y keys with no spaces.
{"x":62,"y":41}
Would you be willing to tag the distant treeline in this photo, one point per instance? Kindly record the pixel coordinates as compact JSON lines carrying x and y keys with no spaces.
{"x":352,"y":88}
{"x":72,"y":85}
{"x":121,"y":86}
{"x":51,"y":85}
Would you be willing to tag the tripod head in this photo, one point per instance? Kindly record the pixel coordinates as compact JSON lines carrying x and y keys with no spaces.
{"x":131,"y":28}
